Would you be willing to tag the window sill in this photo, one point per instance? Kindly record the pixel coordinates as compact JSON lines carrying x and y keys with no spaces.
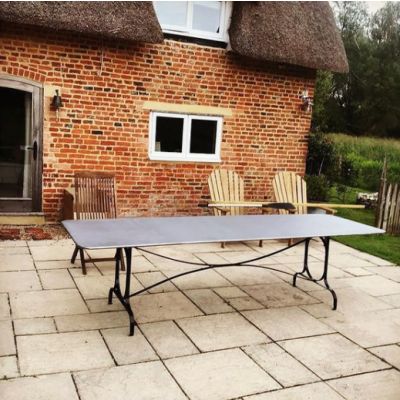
{"x":154,"y":157}
{"x":201,"y":41}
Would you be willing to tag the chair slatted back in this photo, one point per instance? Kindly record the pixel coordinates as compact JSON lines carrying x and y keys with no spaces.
{"x":226,"y":186}
{"x":290,"y":188}
{"x":95,"y":195}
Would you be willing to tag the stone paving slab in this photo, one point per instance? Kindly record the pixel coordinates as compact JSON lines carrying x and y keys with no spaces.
{"x":208,"y":301}
{"x":246,"y":276}
{"x":141,"y":381}
{"x":390,"y":354}
{"x":44,"y":387}
{"x":287,"y":323}
{"x":16,"y":262}
{"x":201,"y":280}
{"x":392,"y":273}
{"x":219,"y":375}
{"x":332,"y":356}
{"x":47,"y":303}
{"x":384,"y":385}
{"x":58,"y":352}
{"x":367,"y":329}
{"x":84,"y":322}
{"x":376,"y":285}
{"x":20,"y":281}
{"x":94,"y":287}
{"x":8,"y":368}
{"x":168,"y":340}
{"x":4,"y":306}
{"x":351,"y":301}
{"x":128,"y":349}
{"x":163,"y":307}
{"x":279,"y":295}
{"x":34,"y":326}
{"x":150,"y":278}
{"x":7,"y":345}
{"x":55,"y":264}
{"x":56,"y":279}
{"x":60,"y":251}
{"x":315,"y":391}
{"x":221,"y":331}
{"x":244,"y":304}
{"x":284,"y":368}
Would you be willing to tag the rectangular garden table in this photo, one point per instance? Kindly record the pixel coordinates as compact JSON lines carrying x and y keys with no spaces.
{"x":140,"y":233}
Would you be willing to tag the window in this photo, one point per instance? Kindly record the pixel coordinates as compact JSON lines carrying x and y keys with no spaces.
{"x":182,"y":137}
{"x":202,"y":19}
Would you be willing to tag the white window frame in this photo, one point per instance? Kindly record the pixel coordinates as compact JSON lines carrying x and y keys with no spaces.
{"x":185,"y":155}
{"x":226,"y":11}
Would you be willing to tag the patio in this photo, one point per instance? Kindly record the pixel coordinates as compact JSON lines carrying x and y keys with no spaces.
{"x":232,"y":333}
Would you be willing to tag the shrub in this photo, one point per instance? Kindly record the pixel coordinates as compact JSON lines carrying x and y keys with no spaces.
{"x":348,"y":171}
{"x":318,"y":187}
{"x":366,"y":156}
{"x":322,"y":157}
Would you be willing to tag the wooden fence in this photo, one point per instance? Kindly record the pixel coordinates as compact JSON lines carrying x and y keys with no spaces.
{"x":387,"y":215}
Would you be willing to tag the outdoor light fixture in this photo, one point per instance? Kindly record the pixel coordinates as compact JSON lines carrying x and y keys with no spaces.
{"x":307,"y":101}
{"x":56,"y":104}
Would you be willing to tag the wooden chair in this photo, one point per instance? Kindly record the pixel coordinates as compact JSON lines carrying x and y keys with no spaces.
{"x":226,"y":186}
{"x":95,"y":198}
{"x":291,"y":188}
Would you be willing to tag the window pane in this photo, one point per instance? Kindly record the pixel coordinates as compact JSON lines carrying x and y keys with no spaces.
{"x":203,"y":136}
{"x":169,"y":133}
{"x":171,"y":12}
{"x":206,"y":16}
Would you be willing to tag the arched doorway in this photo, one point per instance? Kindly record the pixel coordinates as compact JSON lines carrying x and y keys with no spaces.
{"x":21,"y":123}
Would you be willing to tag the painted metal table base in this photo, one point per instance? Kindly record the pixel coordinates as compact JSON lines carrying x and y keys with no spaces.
{"x":124,"y":298}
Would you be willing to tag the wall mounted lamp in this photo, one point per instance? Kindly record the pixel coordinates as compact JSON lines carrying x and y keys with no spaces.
{"x":307,"y":101}
{"x":57,"y":103}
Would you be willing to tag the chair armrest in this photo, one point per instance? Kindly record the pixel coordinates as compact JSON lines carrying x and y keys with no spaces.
{"x":281,"y":206}
{"x":328,"y":210}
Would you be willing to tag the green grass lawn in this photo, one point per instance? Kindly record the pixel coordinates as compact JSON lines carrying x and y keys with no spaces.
{"x":384,"y":246}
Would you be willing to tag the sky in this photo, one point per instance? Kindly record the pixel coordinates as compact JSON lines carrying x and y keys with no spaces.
{"x":373,"y":6}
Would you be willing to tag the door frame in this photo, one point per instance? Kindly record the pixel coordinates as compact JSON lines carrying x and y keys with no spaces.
{"x":36,"y":90}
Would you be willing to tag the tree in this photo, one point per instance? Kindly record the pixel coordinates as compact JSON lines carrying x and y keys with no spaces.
{"x":367,"y":100}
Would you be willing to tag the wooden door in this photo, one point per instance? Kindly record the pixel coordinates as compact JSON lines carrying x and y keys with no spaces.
{"x":21,"y":122}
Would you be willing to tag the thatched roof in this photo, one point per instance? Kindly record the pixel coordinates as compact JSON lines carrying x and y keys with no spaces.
{"x":293,"y":32}
{"x":299,"y":33}
{"x":131,"y":20}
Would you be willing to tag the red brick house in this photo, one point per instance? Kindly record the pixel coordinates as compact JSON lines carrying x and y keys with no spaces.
{"x":159,"y":95}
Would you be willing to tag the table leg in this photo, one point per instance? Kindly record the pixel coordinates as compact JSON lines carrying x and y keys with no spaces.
{"x":124,"y":299}
{"x":326,"y":242}
{"x":306,"y":274}
{"x":305,"y":264}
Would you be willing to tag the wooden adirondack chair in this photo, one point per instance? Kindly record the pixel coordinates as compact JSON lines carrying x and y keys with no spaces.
{"x":226,"y":186}
{"x":95,"y":198}
{"x":292,"y":188}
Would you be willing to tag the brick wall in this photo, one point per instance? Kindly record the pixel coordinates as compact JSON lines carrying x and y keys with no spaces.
{"x":103,"y":125}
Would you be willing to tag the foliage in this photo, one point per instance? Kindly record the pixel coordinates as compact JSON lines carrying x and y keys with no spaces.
{"x":321,"y":157}
{"x":318,"y":187}
{"x":366,"y":101}
{"x":365,"y":156}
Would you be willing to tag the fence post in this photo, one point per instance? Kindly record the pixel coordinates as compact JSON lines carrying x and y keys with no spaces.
{"x":379,"y":212}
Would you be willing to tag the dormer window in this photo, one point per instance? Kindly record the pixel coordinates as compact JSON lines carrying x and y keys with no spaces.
{"x":199,"y":19}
